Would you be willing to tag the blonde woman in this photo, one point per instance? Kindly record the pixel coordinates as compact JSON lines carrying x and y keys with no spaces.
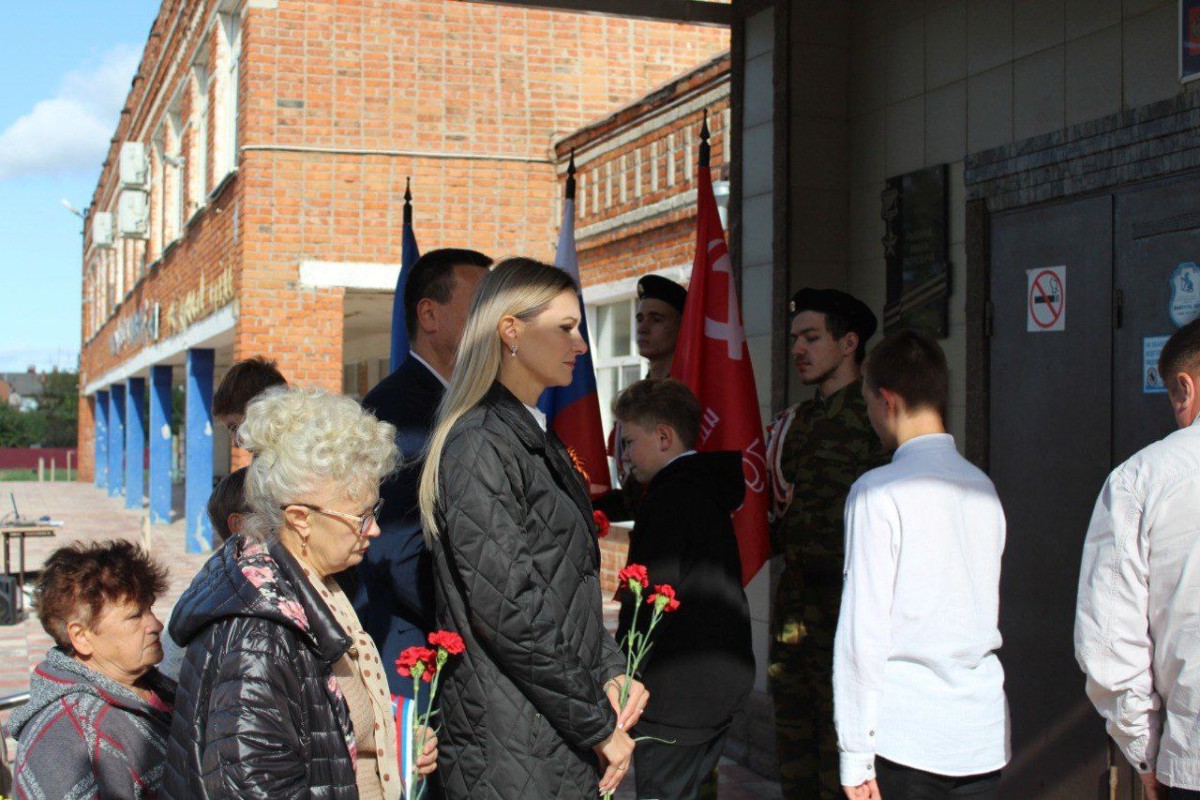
{"x":530,"y":709}
{"x":282,"y":694}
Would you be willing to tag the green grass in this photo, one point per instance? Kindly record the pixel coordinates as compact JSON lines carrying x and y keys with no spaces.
{"x":31,"y":475}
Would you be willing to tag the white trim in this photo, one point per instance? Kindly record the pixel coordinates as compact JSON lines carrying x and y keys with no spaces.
{"x":639,"y":214}
{"x":603,"y":293}
{"x":657,"y":120}
{"x":349,"y":275}
{"x":198,"y":334}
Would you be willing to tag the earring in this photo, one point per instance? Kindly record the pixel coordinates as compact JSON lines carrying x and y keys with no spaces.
{"x":514,"y":350}
{"x":304,"y":545}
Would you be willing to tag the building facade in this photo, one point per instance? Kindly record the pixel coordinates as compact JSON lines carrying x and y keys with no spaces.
{"x":251,"y":201}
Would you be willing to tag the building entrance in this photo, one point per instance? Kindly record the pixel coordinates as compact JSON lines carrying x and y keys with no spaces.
{"x":1082,"y":293}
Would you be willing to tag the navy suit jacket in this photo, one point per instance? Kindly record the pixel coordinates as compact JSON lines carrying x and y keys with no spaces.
{"x":394,"y":598}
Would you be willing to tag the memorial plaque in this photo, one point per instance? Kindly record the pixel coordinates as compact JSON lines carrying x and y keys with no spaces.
{"x":916,"y":244}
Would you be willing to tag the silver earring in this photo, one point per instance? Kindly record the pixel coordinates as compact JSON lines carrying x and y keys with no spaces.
{"x":514,"y":350}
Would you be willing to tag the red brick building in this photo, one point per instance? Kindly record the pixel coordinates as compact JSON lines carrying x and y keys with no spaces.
{"x":251,"y":199}
{"x":636,"y":205}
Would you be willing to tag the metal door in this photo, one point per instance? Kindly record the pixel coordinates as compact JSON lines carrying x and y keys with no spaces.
{"x":1050,"y":449}
{"x":1157,"y":256}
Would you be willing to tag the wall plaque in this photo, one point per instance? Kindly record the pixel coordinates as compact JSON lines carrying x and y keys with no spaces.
{"x":916,"y":244}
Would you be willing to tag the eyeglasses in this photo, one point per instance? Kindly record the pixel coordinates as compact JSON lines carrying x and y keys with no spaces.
{"x":362,"y":521}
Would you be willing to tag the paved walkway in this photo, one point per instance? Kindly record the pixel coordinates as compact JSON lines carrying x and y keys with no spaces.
{"x":88,"y":513}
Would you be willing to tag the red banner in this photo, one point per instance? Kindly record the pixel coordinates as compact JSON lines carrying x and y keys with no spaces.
{"x":713,"y":360}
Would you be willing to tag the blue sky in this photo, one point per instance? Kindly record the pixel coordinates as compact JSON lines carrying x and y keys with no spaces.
{"x":67,"y":66}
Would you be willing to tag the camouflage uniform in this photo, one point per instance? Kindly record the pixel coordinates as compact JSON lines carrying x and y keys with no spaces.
{"x":816,"y":450}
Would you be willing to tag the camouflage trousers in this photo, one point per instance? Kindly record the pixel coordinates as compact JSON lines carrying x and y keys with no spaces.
{"x":801,"y":682}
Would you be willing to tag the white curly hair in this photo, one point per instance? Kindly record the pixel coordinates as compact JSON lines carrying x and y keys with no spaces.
{"x":302,"y":438}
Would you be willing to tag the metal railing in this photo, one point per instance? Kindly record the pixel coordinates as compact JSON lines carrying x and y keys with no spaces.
{"x":10,"y":701}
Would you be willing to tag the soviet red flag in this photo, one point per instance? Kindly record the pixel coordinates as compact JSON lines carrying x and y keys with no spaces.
{"x":711,"y":357}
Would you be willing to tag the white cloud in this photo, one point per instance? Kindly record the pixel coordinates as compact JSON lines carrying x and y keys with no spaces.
{"x":70,"y":132}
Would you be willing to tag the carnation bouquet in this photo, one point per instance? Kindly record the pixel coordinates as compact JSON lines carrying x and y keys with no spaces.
{"x":425,"y":664}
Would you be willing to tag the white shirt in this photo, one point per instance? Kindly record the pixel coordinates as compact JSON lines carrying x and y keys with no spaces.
{"x":539,"y":416}
{"x":425,"y":364}
{"x":915,"y":674}
{"x":1137,"y":622}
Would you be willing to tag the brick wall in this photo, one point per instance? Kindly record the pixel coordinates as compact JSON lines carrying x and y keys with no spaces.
{"x":339,"y":102}
{"x":636,"y":176}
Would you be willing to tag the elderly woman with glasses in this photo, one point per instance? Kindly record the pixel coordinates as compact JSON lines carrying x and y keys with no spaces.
{"x":99,"y":710}
{"x":281,"y":693}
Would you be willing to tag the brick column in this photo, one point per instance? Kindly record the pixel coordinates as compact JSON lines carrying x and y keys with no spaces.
{"x":160,"y":443}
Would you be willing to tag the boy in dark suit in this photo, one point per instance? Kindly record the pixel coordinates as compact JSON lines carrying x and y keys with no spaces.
{"x":701,"y":667}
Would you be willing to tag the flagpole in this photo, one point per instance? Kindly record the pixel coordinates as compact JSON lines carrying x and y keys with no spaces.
{"x":570,"y":193}
{"x":705,"y":148}
{"x":408,"y":200}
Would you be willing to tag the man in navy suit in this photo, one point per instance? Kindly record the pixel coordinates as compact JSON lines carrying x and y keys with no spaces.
{"x":394,"y":599}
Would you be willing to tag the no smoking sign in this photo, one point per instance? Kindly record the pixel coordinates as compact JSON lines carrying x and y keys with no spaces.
{"x":1046,"y":300}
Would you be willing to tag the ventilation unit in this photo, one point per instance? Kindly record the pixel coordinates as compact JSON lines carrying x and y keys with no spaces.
{"x":102,"y":229}
{"x":135,"y":166}
{"x":133,"y":215}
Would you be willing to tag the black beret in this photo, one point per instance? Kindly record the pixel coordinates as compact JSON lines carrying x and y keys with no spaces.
{"x":831,"y":301}
{"x":656,"y":287}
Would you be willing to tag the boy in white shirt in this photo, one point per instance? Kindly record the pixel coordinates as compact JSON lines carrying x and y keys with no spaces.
{"x":918,"y":691}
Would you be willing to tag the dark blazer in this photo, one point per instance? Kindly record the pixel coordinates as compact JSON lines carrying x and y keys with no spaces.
{"x":701,"y":667}
{"x":258,"y":713}
{"x":517,"y":576}
{"x":394,"y":596}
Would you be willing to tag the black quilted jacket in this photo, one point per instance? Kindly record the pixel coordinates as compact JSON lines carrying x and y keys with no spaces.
{"x":257,"y":714}
{"x":517,"y":575}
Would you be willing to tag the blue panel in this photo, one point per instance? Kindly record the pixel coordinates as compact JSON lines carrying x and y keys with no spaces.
{"x":135,"y":442}
{"x":198,"y":477}
{"x":101,"y":436}
{"x":160,"y":444}
{"x":116,"y":439}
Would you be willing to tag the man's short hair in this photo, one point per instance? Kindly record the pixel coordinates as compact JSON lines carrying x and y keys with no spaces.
{"x":1181,"y":353}
{"x":665,"y":401}
{"x":79,"y":579}
{"x":228,"y":498}
{"x":245,"y":381}
{"x":911,"y":364}
{"x":433,"y":277}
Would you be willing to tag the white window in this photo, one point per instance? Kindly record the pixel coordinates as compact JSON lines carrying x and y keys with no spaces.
{"x":197,"y":165}
{"x":614,"y":354}
{"x":229,"y":38}
{"x":154,"y":250}
{"x":173,"y":165}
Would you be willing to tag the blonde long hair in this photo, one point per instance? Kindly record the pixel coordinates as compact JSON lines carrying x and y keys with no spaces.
{"x":517,"y":287}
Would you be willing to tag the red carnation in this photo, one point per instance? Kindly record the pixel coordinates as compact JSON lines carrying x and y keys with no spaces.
{"x":449,"y":641}
{"x":602,"y":523}
{"x":663,"y":598}
{"x":420,"y":662}
{"x":634,"y":573}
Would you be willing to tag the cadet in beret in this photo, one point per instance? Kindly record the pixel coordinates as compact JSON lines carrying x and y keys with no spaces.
{"x":659,"y":312}
{"x":815,"y":451}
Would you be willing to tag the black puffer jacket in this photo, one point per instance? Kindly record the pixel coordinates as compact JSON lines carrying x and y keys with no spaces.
{"x":517,"y":575}
{"x":257,"y":713}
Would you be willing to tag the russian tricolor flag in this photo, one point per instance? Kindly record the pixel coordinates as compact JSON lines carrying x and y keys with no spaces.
{"x":573,"y":412}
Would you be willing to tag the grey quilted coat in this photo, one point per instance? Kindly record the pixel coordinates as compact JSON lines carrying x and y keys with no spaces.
{"x":517,"y":576}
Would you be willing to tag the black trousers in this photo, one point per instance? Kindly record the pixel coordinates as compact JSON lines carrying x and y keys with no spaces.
{"x":1181,"y":794}
{"x":897,"y":782}
{"x":674,"y":771}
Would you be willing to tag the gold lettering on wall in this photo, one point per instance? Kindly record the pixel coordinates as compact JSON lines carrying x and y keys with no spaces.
{"x":200,"y":302}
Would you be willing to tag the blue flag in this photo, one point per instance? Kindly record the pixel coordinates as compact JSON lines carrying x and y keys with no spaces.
{"x":408,"y":256}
